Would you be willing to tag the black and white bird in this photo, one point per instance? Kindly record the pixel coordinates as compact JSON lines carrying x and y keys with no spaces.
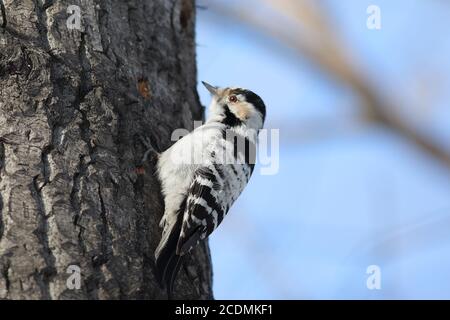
{"x":204,"y":172}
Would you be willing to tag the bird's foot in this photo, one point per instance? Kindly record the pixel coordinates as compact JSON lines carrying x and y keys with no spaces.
{"x":150,"y":149}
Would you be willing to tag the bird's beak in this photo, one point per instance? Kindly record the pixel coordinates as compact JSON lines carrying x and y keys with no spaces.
{"x":213,"y":90}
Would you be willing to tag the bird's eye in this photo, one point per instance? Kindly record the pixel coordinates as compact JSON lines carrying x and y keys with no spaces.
{"x":233,"y":98}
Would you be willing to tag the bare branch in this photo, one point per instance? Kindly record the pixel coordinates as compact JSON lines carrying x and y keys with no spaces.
{"x":320,"y":44}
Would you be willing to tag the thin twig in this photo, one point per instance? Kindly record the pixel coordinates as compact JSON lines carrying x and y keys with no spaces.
{"x":328,"y":55}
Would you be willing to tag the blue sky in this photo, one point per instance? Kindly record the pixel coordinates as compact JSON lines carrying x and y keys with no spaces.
{"x":347,"y":199}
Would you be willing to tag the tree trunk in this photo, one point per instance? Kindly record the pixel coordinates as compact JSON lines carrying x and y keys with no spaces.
{"x":73,"y":103}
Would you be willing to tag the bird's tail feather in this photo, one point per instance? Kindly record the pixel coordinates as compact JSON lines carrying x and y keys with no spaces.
{"x":167,"y":261}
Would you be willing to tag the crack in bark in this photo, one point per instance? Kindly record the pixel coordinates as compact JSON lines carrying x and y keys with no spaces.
{"x":4,"y":21}
{"x":175,"y":36}
{"x":42,"y":276}
{"x":100,"y":260}
{"x":102,"y":21}
{"x":75,"y":201}
{"x":185,"y":9}
{"x":46,"y":170}
{"x":84,"y":88}
{"x":47,"y":4}
{"x":41,"y":16}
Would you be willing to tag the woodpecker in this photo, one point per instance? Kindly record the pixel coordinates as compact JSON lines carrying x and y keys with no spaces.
{"x":204,"y":172}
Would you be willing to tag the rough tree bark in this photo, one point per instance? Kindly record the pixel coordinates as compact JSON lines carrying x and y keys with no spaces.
{"x":72,"y":106}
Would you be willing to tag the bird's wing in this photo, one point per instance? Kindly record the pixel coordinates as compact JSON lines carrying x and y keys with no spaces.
{"x":213,"y":190}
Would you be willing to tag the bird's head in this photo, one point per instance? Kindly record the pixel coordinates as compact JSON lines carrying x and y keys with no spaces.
{"x":236,"y":106}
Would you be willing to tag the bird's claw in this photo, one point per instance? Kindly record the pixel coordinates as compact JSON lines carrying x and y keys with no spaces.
{"x":149,"y":146}
{"x":162,"y":222}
